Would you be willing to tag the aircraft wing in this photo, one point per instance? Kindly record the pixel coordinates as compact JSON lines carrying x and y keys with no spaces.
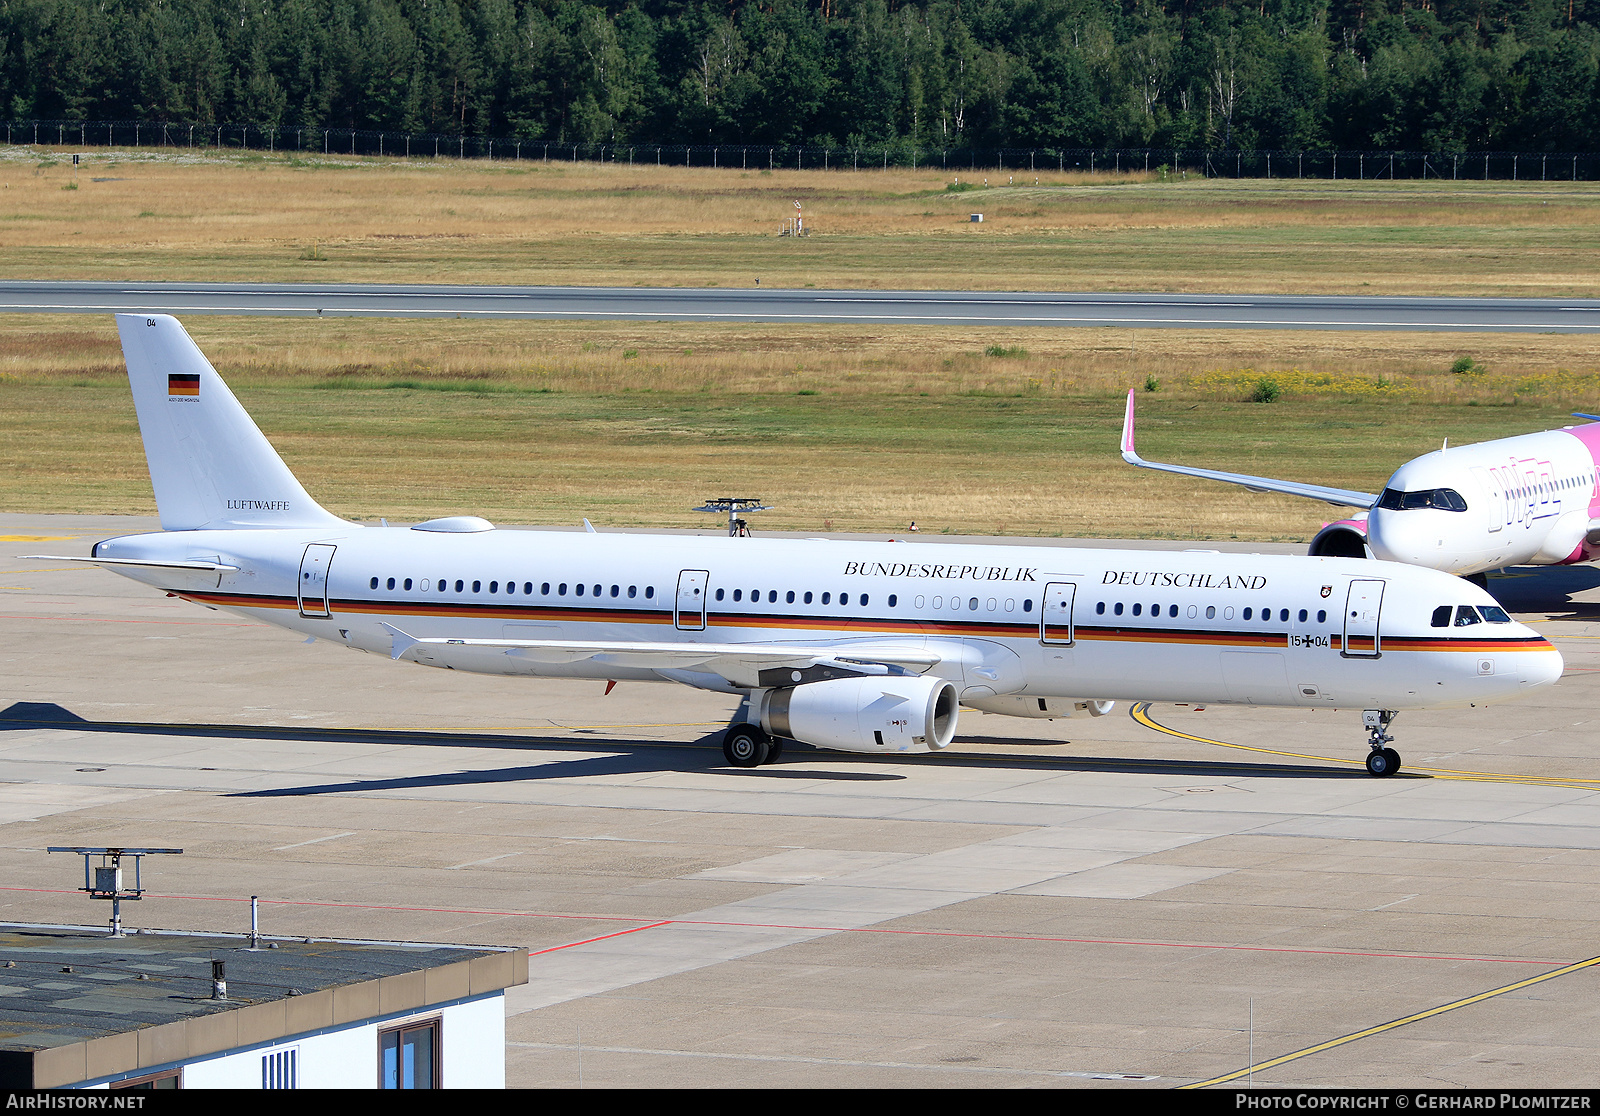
{"x":739,"y":664}
{"x":1340,"y":497}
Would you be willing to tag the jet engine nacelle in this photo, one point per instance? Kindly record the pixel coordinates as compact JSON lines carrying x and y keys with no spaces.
{"x":1565,"y":542}
{"x":873,"y":713}
{"x":1039,"y":708}
{"x":1346,"y":538}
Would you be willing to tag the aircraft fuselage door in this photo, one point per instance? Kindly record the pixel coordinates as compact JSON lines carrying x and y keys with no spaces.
{"x":1362,"y":639}
{"x":1490,"y":485}
{"x":690,"y":613}
{"x":312,"y":588}
{"x":1055,"y":613}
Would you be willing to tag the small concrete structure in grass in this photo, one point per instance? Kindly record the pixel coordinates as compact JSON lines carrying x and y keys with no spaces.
{"x":82,"y":1010}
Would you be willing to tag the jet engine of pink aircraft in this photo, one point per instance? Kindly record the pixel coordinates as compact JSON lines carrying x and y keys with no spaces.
{"x":1533,"y":499}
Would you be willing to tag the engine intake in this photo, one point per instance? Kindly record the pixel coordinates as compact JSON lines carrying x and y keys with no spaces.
{"x":872,"y":713}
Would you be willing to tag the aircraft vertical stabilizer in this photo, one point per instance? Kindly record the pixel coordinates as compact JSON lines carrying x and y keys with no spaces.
{"x":210,"y":465}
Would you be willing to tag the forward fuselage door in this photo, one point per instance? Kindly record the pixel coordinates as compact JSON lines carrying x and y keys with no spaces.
{"x":313,"y":584}
{"x":1362,"y":639}
{"x":1491,"y":487}
{"x":1055,"y":613}
{"x":690,"y":613}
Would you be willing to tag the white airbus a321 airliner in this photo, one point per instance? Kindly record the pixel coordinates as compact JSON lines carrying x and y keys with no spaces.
{"x":866,"y":647}
{"x":1531,"y":500}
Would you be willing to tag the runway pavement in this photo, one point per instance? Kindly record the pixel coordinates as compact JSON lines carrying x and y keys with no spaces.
{"x":1089,"y":902}
{"x":1009,"y":308}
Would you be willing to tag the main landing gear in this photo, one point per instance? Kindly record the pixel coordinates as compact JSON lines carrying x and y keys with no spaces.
{"x":748,"y":746}
{"x":1381,"y":760}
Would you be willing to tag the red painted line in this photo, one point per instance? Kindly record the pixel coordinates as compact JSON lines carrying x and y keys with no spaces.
{"x":601,"y":938}
{"x":821,"y":929}
{"x":100,"y":620}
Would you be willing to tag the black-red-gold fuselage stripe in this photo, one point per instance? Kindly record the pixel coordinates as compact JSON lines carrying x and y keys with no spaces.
{"x":872,"y":625}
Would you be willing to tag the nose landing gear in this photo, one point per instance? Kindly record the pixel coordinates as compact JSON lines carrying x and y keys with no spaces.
{"x":1381,"y":760}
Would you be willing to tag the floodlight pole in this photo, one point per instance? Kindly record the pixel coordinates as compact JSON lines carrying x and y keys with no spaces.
{"x":104,"y":881}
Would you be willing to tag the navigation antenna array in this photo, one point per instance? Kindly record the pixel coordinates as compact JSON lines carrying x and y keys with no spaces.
{"x":733,"y":506}
{"x":796,"y":225}
{"x":104,"y":880}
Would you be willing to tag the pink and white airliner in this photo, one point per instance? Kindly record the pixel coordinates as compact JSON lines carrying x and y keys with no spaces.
{"x":1528,"y":500}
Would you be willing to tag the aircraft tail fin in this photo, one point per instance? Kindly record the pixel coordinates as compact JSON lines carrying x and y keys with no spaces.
{"x":210,"y":465}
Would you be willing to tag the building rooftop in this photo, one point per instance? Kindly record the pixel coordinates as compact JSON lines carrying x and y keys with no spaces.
{"x":91,"y":1001}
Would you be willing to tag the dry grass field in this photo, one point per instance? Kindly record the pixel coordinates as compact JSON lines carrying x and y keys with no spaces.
{"x":205,"y":216}
{"x":631,"y":424}
{"x":970,"y":430}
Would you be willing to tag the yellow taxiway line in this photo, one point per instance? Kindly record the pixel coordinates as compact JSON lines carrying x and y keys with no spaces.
{"x":1392,"y":1024}
{"x":1140,"y":712}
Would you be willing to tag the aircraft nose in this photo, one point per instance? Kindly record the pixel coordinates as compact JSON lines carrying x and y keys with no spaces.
{"x":1390,"y":539}
{"x":1418,"y":538}
{"x":1543,"y":667}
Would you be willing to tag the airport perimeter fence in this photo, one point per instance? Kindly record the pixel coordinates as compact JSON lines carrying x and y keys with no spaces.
{"x":1461,"y":165}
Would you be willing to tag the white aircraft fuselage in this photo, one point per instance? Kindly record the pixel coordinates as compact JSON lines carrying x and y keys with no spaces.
{"x":1529,"y":500}
{"x":1003,"y":621}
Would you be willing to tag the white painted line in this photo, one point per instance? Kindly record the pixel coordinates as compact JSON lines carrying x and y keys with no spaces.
{"x":485,"y":860}
{"x":315,"y":841}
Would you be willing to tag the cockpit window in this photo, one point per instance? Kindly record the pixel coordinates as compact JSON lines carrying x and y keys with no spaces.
{"x":1441,"y":616}
{"x":1466,"y":616}
{"x":1494,"y":614}
{"x":1444,"y":499}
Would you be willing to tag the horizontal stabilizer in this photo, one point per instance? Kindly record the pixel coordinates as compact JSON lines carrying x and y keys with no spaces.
{"x":1340,"y":497}
{"x":148,"y":563}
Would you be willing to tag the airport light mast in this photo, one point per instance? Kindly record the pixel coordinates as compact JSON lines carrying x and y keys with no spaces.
{"x":734,"y":506}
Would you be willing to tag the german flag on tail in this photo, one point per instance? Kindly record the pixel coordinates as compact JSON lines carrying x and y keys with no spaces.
{"x":183,"y":383}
